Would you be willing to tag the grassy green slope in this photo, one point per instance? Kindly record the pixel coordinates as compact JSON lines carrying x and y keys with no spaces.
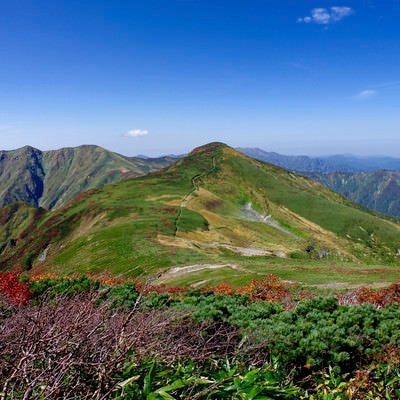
{"x":197,"y":212}
{"x":50,"y":179}
{"x":15,"y":220}
{"x":71,"y":171}
{"x":275,"y":191}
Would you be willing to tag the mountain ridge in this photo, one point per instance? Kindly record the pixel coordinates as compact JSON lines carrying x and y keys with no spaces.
{"x":51,"y":178}
{"x":214,"y":206}
{"x":325,"y":164}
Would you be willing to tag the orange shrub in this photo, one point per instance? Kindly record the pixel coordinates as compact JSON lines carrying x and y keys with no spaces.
{"x":269,"y":289}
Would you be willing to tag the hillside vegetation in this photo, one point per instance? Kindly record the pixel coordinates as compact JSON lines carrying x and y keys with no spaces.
{"x":378,"y":190}
{"x":373,"y":182}
{"x":214,"y":214}
{"x":90,"y":339}
{"x":49,"y":179}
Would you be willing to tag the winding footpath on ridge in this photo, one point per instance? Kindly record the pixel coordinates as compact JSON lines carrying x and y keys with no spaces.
{"x":250,"y":214}
{"x":194,"y":188}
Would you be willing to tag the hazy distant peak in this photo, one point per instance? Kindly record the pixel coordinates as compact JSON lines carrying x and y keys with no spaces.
{"x":325,"y":164}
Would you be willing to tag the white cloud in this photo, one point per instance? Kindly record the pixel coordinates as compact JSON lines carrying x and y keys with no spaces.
{"x":136,"y":133}
{"x":325,"y":16}
{"x":338,"y":13}
{"x":387,"y":84}
{"x":320,"y":16}
{"x":365,"y":94}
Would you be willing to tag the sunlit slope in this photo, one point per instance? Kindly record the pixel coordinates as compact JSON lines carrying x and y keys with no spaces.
{"x":212,"y":206}
{"x":318,"y":219}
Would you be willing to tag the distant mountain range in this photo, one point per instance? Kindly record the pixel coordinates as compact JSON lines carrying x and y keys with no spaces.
{"x":215,"y":205}
{"x":335,"y":163}
{"x":49,"y":179}
{"x":373,"y":182}
{"x":378,"y":190}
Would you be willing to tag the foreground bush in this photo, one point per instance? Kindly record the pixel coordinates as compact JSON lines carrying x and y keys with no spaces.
{"x":79,"y":339}
{"x":74,"y":347}
{"x":208,"y":380}
{"x":12,"y":289}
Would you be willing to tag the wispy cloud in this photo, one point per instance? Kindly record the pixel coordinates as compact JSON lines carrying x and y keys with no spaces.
{"x":136,"y":133}
{"x":295,"y":65}
{"x":365,"y":95}
{"x":325,"y":16}
{"x":376,"y":89}
{"x":387,"y":84}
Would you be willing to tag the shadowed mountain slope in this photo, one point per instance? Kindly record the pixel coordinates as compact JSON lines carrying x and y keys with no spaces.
{"x":215,"y":205}
{"x":378,"y":190}
{"x":51,"y":178}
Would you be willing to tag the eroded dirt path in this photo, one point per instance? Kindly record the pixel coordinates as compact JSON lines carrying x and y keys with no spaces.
{"x":175,"y":272}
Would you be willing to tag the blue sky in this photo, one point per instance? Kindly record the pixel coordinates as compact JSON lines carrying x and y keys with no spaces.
{"x":163,"y":76}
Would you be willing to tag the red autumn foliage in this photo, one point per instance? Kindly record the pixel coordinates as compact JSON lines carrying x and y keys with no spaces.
{"x":224,"y":288}
{"x":15,"y":291}
{"x":159,"y":289}
{"x":379,"y":298}
{"x":269,"y":288}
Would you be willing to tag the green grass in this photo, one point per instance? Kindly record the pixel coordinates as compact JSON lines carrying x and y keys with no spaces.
{"x":190,"y":221}
{"x":325,"y":275}
{"x":312,"y":201}
{"x":133,"y":228}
